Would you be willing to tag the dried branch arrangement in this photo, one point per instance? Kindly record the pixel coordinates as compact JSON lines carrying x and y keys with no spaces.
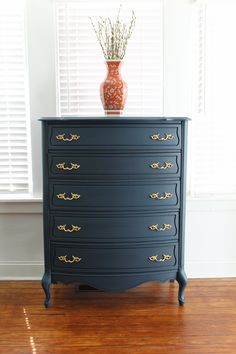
{"x":113,"y":36}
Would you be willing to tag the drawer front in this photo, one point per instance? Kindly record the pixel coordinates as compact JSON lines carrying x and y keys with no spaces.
{"x":148,"y":228}
{"x":77,"y":165}
{"x":81,"y":258}
{"x":106,"y":196}
{"x":161,"y":136}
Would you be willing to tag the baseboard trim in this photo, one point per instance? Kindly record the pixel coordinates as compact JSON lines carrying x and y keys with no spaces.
{"x":17,"y":270}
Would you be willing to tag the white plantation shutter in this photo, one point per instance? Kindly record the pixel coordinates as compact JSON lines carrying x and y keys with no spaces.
{"x":81,"y":66}
{"x":14,"y":124}
{"x":213,"y":167}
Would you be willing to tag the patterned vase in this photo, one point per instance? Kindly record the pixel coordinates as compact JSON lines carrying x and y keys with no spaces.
{"x":113,"y":90}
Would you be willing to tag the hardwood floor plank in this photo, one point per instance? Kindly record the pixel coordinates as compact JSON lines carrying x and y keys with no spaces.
{"x":143,"y":320}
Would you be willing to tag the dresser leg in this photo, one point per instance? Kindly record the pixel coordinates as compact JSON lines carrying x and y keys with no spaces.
{"x":46,"y":282}
{"x":182,"y":280}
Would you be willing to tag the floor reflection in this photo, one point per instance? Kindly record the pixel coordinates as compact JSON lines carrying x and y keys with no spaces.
{"x":31,"y":338}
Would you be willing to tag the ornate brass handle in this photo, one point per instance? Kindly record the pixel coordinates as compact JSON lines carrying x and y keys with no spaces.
{"x":156,"y":165}
{"x":165,"y":257}
{"x":73,"y":260}
{"x":73,"y":196}
{"x":163,"y":138}
{"x":162,"y":228}
{"x":72,"y":137}
{"x":73,"y":166}
{"x":73,"y":228}
{"x":165,"y":195}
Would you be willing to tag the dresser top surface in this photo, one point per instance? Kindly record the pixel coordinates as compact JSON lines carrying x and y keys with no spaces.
{"x":115,"y":119}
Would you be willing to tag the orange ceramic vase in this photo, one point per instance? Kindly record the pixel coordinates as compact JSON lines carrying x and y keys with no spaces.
{"x":113,"y":90}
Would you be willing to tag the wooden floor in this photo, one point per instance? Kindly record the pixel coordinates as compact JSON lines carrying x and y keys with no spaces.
{"x":144,"y":320}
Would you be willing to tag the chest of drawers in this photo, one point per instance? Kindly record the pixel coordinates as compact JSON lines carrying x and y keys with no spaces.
{"x":114,"y":201}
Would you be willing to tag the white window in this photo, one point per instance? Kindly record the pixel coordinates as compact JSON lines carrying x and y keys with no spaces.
{"x":81,"y":66}
{"x":213,"y":167}
{"x":15,"y":176}
{"x":207,"y":39}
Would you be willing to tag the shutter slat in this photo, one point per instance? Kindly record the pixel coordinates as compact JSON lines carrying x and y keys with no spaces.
{"x":14,"y":156}
{"x":213,"y":144}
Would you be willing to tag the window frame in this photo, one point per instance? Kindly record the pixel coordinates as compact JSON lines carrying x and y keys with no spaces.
{"x":45,"y":80}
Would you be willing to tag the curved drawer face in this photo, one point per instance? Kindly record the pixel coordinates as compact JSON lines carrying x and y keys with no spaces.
{"x":129,"y":228}
{"x":154,"y":165}
{"x":104,"y":260}
{"x":161,"y":136}
{"x":63,"y":196}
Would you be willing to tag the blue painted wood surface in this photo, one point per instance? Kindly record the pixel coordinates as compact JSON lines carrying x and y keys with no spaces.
{"x":102,"y":237}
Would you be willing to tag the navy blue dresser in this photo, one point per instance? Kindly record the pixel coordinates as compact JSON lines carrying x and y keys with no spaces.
{"x":114,"y":201}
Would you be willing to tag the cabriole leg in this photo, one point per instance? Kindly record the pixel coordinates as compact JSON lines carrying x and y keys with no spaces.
{"x":46,"y":282}
{"x":182,"y":280}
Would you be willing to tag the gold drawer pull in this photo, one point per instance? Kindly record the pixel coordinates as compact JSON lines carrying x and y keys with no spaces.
{"x":74,"y":228}
{"x":73,"y":166}
{"x":72,"y":137}
{"x":165,"y":195}
{"x":156,"y":165}
{"x":162,"y":228}
{"x":165,"y":257}
{"x":73,"y":196}
{"x":163,"y":138}
{"x":73,"y":260}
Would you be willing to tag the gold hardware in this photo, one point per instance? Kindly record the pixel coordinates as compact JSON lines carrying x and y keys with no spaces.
{"x":73,"y":228}
{"x":72,"y":137}
{"x":61,"y":166}
{"x":73,"y":196}
{"x":164,"y":196}
{"x":163,"y":228}
{"x":156,"y":165}
{"x":73,"y":260}
{"x":165,"y":257}
{"x":164,"y":138}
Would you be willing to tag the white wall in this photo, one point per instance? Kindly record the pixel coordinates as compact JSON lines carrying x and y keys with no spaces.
{"x":21,"y":251}
{"x":210,"y":238}
{"x":211,"y":224}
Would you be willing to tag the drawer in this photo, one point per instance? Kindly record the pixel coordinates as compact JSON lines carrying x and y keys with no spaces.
{"x":160,"y":226}
{"x":106,"y":196}
{"x":74,"y":136}
{"x":80,"y":258}
{"x":162,"y":164}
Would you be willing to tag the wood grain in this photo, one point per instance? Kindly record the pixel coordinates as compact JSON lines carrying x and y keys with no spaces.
{"x":143,"y":320}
